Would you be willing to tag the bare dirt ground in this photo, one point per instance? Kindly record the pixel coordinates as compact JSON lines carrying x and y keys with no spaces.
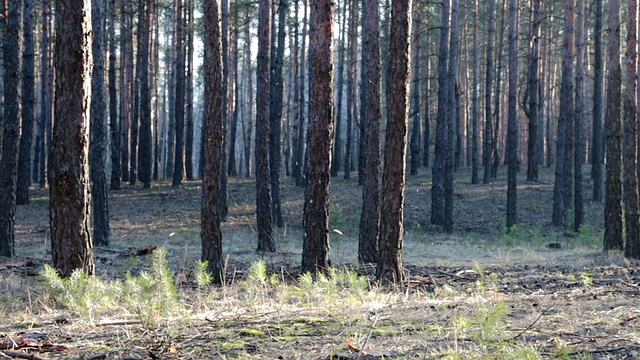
{"x":475,"y":293}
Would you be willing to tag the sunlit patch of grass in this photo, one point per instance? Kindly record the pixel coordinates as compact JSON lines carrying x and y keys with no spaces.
{"x":40,"y":199}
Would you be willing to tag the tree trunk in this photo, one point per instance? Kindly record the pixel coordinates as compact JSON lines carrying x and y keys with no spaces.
{"x":441,"y":146}
{"x":426,"y":99}
{"x":512,"y":124}
{"x":416,"y":129}
{"x":371,"y":116}
{"x":28,"y":105}
{"x":475,"y":112}
{"x":42,"y":135}
{"x":495,"y":145}
{"x":145,"y":154}
{"x":579,"y":115}
{"x":211,"y":235}
{"x":337,"y":143}
{"x":315,"y":248}
{"x":391,"y":224}
{"x":298,"y":157}
{"x":10,"y":29}
{"x":248,"y":113}
{"x":178,"y":163}
{"x":532,"y":107}
{"x":488,"y":128}
{"x":116,"y":170}
{"x":263,"y":130}
{"x":277,"y":104}
{"x":232,"y":168}
{"x":453,"y":120}
{"x":598,"y":85}
{"x":352,"y":71}
{"x":613,"y":198}
{"x":69,"y":209}
{"x":630,"y":186}
{"x":189,"y":144}
{"x":126,"y":80}
{"x":224,"y":179}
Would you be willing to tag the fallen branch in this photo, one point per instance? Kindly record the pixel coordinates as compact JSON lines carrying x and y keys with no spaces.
{"x":21,"y":355}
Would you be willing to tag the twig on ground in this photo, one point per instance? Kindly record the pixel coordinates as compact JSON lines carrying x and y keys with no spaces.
{"x":21,"y":355}
{"x":364,"y":346}
{"x":533,"y":323}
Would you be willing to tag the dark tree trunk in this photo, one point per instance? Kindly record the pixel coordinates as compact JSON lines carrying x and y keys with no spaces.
{"x":532,"y":106}
{"x":495,"y":145}
{"x":565,"y":117}
{"x":512,"y":124}
{"x":277,"y":104}
{"x":178,"y":162}
{"x":233,"y":123}
{"x":391,"y":224}
{"x":116,"y":169}
{"x":488,"y":128}
{"x":69,"y":209}
{"x":475,"y":112}
{"x":579,"y":115}
{"x":10,"y":29}
{"x":248,"y":113}
{"x":337,"y":143}
{"x":298,"y":157}
{"x":263,"y":130}
{"x":189,"y":143}
{"x":46,"y":95}
{"x":224,"y":179}
{"x":598,"y":85}
{"x":441,"y":145}
{"x":171,"y":100}
{"x":630,"y":176}
{"x":211,"y":235}
{"x":371,"y":116}
{"x":426,"y":99}
{"x":134,"y":165}
{"x":570,"y":135}
{"x":28,"y":104}
{"x":126,"y":81}
{"x":315,"y":248}
{"x":453,"y":120}
{"x":352,"y":70}
{"x":416,"y":130}
{"x":613,"y":195}
{"x":145,"y":151}
{"x":98,"y":127}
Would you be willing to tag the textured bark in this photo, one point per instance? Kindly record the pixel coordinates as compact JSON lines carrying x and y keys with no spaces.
{"x":371,"y":116}
{"x":453,"y":120}
{"x":276,"y":113}
{"x":416,"y":129}
{"x":10,"y":29}
{"x":581,"y":45}
{"x":46,"y":96}
{"x":497,"y":105}
{"x":488,"y":127}
{"x":248,"y":113}
{"x":570,"y":134}
{"x":475,"y":111}
{"x":437,"y":188}
{"x":315,"y":248}
{"x":391,"y":224}
{"x":211,"y":235}
{"x":233,"y":123}
{"x":426,"y":97}
{"x":144,"y":153}
{"x":224,"y":179}
{"x":178,"y":162}
{"x":565,"y":117}
{"x":337,"y":142}
{"x":613,"y":198}
{"x":116,"y":170}
{"x":98,"y":130}
{"x":598,"y":86}
{"x":126,"y":85}
{"x":352,"y":73}
{"x":263,"y":130}
{"x":189,"y":138}
{"x":69,"y":208}
{"x":28,"y":106}
{"x":533,"y":90}
{"x":630,"y":176}
{"x":512,"y":124}
{"x":298,"y":158}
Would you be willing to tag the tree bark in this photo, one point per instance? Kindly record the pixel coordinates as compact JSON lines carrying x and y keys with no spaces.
{"x":512,"y":124}
{"x":371,"y":116}
{"x":189,"y":136}
{"x":10,"y":29}
{"x":578,"y":212}
{"x":352,"y":72}
{"x":298,"y":158}
{"x":116,"y":167}
{"x":28,"y":106}
{"x":532,"y":106}
{"x":69,"y":208}
{"x":488,"y":128}
{"x":475,"y":111}
{"x":598,"y":85}
{"x":178,"y":162}
{"x":613,"y":198}
{"x":416,"y":128}
{"x":337,"y":143}
{"x":391,"y":224}
{"x":315,"y":248}
{"x":453,"y":120}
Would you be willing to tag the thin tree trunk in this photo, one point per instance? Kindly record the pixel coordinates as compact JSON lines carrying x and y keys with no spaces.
{"x":337,"y":149}
{"x":532,"y":107}
{"x":248,"y":113}
{"x":512,"y":125}
{"x":178,"y":162}
{"x":488,"y":128}
{"x":298,"y":158}
{"x":495,"y":145}
{"x":475,"y":111}
{"x":277,"y":102}
{"x":579,"y":115}
{"x":426,"y":98}
{"x":116,"y":167}
{"x":352,"y":49}
{"x":224,"y":179}
{"x":233,"y":124}
{"x":189,"y":144}
{"x":145,"y":150}
{"x":453,"y":120}
{"x":598,"y":85}
{"x":416,"y":129}
{"x":28,"y":106}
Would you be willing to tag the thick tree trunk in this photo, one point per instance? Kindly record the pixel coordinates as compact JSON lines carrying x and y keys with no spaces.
{"x":10,"y":29}
{"x":28,"y":106}
{"x":598,"y":85}
{"x":613,"y":198}
{"x":315,"y":248}
{"x":371,"y":116}
{"x":69,"y":209}
{"x":512,"y":124}
{"x":263,"y":129}
{"x":391,"y":225}
{"x":211,"y":235}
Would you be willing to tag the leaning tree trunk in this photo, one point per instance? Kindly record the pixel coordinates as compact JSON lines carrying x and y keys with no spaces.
{"x":391,"y":224}
{"x":10,"y":28}
{"x":28,"y":106}
{"x":69,"y":214}
{"x":613,"y":197}
{"x":315,"y":247}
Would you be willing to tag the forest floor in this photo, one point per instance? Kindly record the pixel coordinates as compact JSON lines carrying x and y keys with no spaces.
{"x":479,"y":292}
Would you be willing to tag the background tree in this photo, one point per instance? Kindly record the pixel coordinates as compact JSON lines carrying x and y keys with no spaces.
{"x":475,"y":111}
{"x":488,"y":128}
{"x":452,"y":116}
{"x":71,"y":245}
{"x":315,"y":247}
{"x":189,"y":109}
{"x":630,"y":175}
{"x":531,"y":105}
{"x":178,"y":162}
{"x":276,"y":113}
{"x":512,"y":125}
{"x":393,"y":183}
{"x":98,"y":129}
{"x":613,"y":197}
{"x":352,"y":72}
{"x":211,"y":235}
{"x":598,"y":79}
{"x":263,"y":129}
{"x":28,"y":105}
{"x":416,"y":128}
{"x":581,"y":47}
{"x":116,"y":167}
{"x":371,"y":116}
{"x":145,"y":155}
{"x":10,"y":31}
